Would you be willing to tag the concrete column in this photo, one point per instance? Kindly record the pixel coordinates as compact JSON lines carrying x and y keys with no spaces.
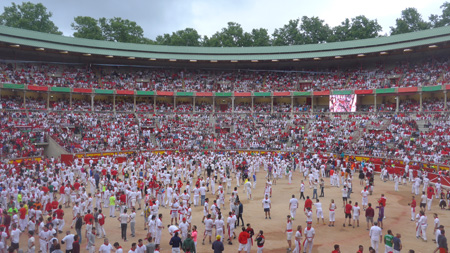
{"x":70,"y":100}
{"x":25,"y":99}
{"x":375,"y":102}
{"x":312,"y":104}
{"x":421,"y":107}
{"x":292,"y":104}
{"x":253,"y":108}
{"x":214,"y":104}
{"x":193,"y":105}
{"x":271,"y":104}
{"x":134,"y":103}
{"x":445,"y":100}
{"x":48,"y":100}
{"x":397,"y":103}
{"x":92,"y":102}
{"x":114,"y":103}
{"x":174,"y":102}
{"x":154,"y":104}
{"x":232,"y":104}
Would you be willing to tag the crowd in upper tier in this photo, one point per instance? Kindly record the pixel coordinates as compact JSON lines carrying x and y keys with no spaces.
{"x":396,"y":74}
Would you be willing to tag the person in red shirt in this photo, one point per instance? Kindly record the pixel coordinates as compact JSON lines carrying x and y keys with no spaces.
{"x":54,"y":204}
{"x":114,"y":173}
{"x":360,"y":249}
{"x":60,"y":216}
{"x":382,"y":200}
{"x":123,"y":199}
{"x":413,"y":207}
{"x":48,"y":207}
{"x":22,"y":215}
{"x":243,"y":239}
{"x":88,"y":217}
{"x":76,"y":185}
{"x":430,"y":194}
{"x":308,"y":203}
{"x":348,"y":213}
{"x":336,"y":249}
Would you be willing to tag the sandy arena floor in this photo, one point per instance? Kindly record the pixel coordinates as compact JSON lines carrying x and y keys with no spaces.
{"x":397,"y":212}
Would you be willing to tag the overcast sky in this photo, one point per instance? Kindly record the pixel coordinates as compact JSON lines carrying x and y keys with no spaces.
{"x":209,"y":16}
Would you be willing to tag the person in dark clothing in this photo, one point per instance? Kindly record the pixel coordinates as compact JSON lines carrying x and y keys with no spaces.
{"x":78,"y":226}
{"x":442,"y":243}
{"x":75,"y":245}
{"x":241,"y":211}
{"x":175,"y":241}
{"x":189,"y":244}
{"x":217,"y":246}
{"x":370,"y":213}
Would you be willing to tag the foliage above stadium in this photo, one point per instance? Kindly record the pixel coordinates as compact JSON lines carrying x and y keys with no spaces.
{"x":43,"y":41}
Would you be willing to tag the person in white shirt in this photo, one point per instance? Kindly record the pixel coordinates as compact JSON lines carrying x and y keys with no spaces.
{"x":173,"y":229}
{"x":208,"y":228}
{"x":133,"y":222}
{"x":356,"y":210}
{"x":31,"y":242}
{"x":298,"y":240}
{"x":220,"y":226}
{"x":68,"y":240}
{"x":231,"y":225}
{"x":332,"y":213}
{"x":159,"y":228}
{"x":293,"y":206}
{"x":118,"y":248}
{"x":289,"y":231}
{"x":309,"y":238}
{"x":124,"y":220}
{"x":436,"y":225}
{"x":266,"y":203}
{"x":141,"y":248}
{"x":319,"y":211}
{"x":184,"y":227}
{"x":423,"y":224}
{"x":375,"y":235}
{"x":248,"y":188}
{"x":365,"y":199}
{"x":106,"y":247}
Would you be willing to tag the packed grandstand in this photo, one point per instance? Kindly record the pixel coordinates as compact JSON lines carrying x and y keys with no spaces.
{"x":104,"y":103}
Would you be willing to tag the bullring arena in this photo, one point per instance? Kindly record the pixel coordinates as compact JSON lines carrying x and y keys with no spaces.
{"x":118,"y":121}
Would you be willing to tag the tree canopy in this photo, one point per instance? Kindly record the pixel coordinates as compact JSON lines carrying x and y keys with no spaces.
{"x":29,"y":16}
{"x":304,"y":30}
{"x":410,"y":21}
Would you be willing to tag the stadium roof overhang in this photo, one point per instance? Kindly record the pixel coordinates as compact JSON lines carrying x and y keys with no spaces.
{"x":403,"y":43}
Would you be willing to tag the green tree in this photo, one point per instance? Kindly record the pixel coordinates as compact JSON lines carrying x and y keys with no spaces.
{"x":360,"y":27}
{"x":441,"y":20}
{"x":87,"y":27}
{"x":314,"y":30}
{"x":186,"y":37}
{"x":29,"y":16}
{"x":288,"y":35}
{"x":231,"y":36}
{"x":260,"y":37}
{"x":411,"y":21}
{"x":121,"y":30}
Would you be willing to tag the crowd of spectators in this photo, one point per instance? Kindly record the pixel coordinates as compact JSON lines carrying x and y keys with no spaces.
{"x":419,"y":136}
{"x":401,"y":74}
